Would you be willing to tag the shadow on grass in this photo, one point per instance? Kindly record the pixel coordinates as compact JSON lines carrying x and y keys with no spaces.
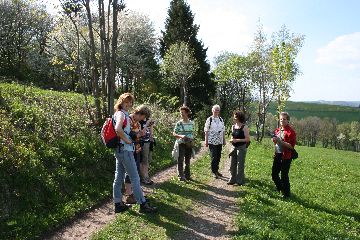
{"x":316,"y":207}
{"x":178,"y":217}
{"x":282,"y":217}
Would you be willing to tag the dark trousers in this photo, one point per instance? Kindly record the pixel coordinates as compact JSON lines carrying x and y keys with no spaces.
{"x":184,"y":155}
{"x":283,"y":166}
{"x":215,"y":155}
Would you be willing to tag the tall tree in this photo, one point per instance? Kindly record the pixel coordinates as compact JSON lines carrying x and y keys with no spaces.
{"x":179,"y":26}
{"x":285,"y":47}
{"x":178,"y":67}
{"x":262,"y":79}
{"x":24,"y":29}
{"x":233,"y":77}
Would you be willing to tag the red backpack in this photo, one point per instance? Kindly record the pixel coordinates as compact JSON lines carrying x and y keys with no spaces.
{"x":108,"y":134}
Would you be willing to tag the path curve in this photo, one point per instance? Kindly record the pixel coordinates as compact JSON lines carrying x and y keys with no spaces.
{"x":92,"y":221}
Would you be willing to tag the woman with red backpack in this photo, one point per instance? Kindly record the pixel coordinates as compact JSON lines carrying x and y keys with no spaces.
{"x":125,"y":161}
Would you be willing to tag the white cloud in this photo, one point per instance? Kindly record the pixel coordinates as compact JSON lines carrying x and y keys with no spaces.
{"x":343,"y":51}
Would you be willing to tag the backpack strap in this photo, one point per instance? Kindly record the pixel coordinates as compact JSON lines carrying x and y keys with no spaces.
{"x":211,"y":118}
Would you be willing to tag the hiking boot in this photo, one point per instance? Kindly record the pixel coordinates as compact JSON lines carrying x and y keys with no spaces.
{"x":182,"y":179}
{"x":219,"y":174}
{"x":121,"y":207}
{"x":146,"y":208}
{"x":130,"y":199}
{"x":230,"y":183}
{"x":147,"y":181}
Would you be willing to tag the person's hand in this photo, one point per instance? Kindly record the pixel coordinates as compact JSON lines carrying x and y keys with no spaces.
{"x":128,"y":141}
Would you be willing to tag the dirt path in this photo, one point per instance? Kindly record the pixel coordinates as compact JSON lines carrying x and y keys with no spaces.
{"x":215,"y":215}
{"x":92,"y":221}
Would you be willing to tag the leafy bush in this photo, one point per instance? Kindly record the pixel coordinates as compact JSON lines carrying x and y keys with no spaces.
{"x":52,"y":164}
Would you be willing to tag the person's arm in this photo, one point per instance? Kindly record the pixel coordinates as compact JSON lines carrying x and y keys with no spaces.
{"x":224,"y":140}
{"x":118,"y":128}
{"x":290,"y":141}
{"x":206,"y":131}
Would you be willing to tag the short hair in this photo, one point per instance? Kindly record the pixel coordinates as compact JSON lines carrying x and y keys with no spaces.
{"x":186,"y":109}
{"x":123,"y":98}
{"x":215,"y":107}
{"x":240,"y":116}
{"x":142,"y":110}
{"x":285,"y":114}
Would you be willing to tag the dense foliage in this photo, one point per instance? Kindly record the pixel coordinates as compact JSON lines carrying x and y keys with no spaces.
{"x":53,"y":164}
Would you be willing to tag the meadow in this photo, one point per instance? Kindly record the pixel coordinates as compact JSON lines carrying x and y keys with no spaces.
{"x":324,"y":202}
{"x":53,"y":166}
{"x":302,"y":110}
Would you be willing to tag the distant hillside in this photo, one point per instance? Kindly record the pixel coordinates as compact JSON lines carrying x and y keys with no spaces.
{"x":339,"y":103}
{"x":305,"y":109}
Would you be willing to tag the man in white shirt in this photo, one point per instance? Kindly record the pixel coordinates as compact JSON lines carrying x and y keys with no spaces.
{"x":214,"y":138}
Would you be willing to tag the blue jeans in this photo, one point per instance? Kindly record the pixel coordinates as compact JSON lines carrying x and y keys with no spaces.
{"x":125,"y":163}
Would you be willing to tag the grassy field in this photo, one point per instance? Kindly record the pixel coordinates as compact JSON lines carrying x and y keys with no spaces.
{"x":302,"y":110}
{"x":324,"y":203}
{"x":54,"y":166}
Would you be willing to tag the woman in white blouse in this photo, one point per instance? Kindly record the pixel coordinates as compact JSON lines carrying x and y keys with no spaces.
{"x":214,"y":138}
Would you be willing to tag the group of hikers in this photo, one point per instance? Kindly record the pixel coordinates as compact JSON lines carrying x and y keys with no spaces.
{"x":133,"y":154}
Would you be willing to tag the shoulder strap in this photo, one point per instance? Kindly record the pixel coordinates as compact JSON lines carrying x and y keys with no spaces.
{"x":210,"y":122}
{"x":220,"y":119}
{"x":242,"y":127}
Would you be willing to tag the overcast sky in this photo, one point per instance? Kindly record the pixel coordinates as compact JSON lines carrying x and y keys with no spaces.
{"x":329,"y":59}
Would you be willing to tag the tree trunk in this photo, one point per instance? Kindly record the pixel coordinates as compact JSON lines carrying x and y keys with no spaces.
{"x":103,"y":57}
{"x":114,"y":41}
{"x":94,"y":65}
{"x":185,"y":89}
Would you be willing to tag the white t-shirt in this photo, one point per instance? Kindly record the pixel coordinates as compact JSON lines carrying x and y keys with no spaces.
{"x":216,"y":130}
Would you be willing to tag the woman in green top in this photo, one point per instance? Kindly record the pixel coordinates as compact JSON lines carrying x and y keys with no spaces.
{"x":183,"y":132}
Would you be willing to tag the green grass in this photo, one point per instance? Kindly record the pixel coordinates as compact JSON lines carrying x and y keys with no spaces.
{"x":174,"y":200}
{"x":324,"y":203}
{"x":302,"y":110}
{"x":53,"y":164}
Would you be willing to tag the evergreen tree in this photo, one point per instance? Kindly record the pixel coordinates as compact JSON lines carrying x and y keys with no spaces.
{"x":179,"y":26}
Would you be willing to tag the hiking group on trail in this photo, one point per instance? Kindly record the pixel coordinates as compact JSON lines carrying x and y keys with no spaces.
{"x":135,"y":142}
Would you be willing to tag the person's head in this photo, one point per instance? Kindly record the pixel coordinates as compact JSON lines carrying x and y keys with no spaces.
{"x":125,"y":101}
{"x":141,"y":112}
{"x":239,"y":117}
{"x":284,"y":119}
{"x":185,"y":112}
{"x":215,"y":110}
